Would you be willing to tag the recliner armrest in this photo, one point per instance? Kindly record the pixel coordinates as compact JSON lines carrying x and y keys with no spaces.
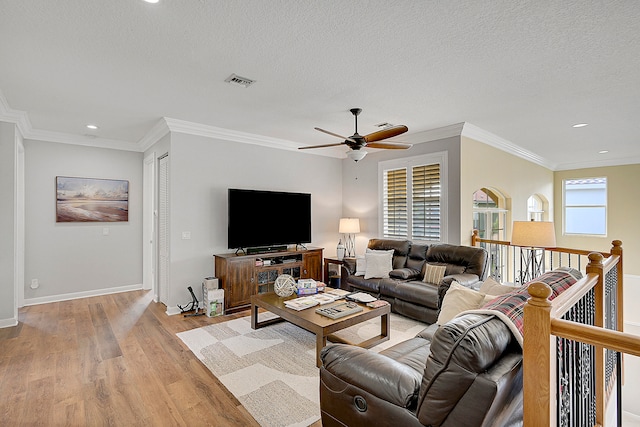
{"x":379,"y":375}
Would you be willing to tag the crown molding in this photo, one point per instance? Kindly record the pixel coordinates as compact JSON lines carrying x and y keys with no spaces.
{"x":167,"y":124}
{"x":198,"y":129}
{"x":22,"y":122}
{"x":19,"y":118}
{"x":481,"y":135}
{"x":435,"y":134}
{"x":84,"y":140}
{"x":159,"y":130}
{"x":598,"y":163}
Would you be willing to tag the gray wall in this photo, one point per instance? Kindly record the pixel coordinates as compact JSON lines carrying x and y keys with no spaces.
{"x":360,"y":185}
{"x":76,"y":258}
{"x":7,"y":223}
{"x":203,"y":169}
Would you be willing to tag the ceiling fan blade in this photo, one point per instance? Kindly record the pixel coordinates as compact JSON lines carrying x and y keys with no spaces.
{"x":385,"y":133}
{"x":336,"y":135}
{"x":390,"y":145}
{"x":322,"y":146}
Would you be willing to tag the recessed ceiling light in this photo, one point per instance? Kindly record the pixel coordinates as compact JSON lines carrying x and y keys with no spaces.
{"x":92,"y":127}
{"x":580,"y":125}
{"x":152,"y":1}
{"x":603,"y":152}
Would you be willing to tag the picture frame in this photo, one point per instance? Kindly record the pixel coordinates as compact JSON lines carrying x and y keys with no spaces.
{"x":91,"y":200}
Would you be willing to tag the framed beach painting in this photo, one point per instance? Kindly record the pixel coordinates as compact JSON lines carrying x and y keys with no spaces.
{"x":91,"y":200}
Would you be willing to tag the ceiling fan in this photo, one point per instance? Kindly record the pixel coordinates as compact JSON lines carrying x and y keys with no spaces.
{"x":357,"y":142}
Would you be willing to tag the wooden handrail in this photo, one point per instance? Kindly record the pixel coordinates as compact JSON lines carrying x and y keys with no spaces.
{"x":543,"y":325}
{"x":571,"y":296}
{"x":607,"y":338}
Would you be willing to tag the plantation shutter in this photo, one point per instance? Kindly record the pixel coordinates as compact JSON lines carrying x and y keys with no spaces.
{"x":395,"y":203}
{"x":425,"y":204}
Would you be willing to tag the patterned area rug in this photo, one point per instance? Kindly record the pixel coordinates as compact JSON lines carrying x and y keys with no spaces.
{"x":272,"y":371}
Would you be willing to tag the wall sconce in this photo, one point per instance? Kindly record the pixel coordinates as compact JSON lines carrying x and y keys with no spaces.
{"x":349,"y":227}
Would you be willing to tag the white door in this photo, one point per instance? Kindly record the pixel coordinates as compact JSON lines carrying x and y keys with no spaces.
{"x":163,"y":229}
{"x":149,"y":226}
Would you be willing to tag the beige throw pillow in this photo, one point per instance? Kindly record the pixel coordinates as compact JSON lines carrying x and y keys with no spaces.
{"x":434,"y":273}
{"x":458,"y":299}
{"x":378,"y":264}
{"x":492,"y":287}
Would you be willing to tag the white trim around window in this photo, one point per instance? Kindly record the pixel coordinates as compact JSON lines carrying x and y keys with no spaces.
{"x":409,"y":163}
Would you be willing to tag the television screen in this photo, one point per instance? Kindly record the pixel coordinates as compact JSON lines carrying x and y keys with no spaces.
{"x":268,"y":218}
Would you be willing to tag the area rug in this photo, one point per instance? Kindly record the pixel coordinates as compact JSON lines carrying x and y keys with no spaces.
{"x":272,"y":370}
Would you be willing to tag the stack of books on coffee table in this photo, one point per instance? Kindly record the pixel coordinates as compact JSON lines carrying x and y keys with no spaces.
{"x":309,"y":301}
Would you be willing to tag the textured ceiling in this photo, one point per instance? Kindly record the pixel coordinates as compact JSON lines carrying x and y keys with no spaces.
{"x":522,"y":70}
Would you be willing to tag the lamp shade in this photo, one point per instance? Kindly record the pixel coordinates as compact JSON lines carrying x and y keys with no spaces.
{"x":533,"y":234}
{"x":349,"y":225}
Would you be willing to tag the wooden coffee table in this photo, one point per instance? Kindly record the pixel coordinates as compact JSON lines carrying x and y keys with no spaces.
{"x":320,"y":325}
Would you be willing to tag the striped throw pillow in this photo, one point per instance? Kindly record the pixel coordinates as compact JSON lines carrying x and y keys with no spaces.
{"x":434,"y":273}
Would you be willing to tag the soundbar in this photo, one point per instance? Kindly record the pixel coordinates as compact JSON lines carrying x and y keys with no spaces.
{"x":266,"y":249}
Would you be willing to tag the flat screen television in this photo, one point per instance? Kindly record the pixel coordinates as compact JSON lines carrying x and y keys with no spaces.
{"x":268,"y":218}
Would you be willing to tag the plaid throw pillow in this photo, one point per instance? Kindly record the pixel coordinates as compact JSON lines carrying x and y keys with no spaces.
{"x":434,"y":273}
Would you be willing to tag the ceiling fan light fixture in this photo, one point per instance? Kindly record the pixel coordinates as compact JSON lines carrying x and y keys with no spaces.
{"x":356,"y":155}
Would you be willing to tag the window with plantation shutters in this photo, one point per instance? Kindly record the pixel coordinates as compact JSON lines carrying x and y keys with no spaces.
{"x":413,"y":194}
{"x":425,"y":202}
{"x":395,"y":203}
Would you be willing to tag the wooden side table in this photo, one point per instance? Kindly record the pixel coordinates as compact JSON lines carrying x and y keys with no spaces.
{"x":327,"y":262}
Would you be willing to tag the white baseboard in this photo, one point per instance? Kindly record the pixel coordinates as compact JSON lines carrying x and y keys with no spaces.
{"x":84,"y":294}
{"x":173,"y":310}
{"x":8,"y":323}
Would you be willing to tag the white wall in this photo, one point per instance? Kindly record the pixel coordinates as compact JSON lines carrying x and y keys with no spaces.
{"x":203,"y":169}
{"x":7,"y":223}
{"x":76,"y":259}
{"x":360,"y":185}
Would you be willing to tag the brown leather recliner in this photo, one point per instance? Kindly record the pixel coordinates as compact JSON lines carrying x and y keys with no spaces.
{"x":467,"y":372}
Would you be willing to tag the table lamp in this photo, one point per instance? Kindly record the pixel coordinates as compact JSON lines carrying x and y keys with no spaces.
{"x":349,"y":227}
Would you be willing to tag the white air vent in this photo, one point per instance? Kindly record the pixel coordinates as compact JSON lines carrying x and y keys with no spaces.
{"x":384,"y":125}
{"x":240,"y":81}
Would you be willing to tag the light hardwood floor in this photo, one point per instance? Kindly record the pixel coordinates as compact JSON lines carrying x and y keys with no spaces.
{"x":110,"y":360}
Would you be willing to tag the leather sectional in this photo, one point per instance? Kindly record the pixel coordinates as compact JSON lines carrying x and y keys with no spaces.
{"x":405,"y":289}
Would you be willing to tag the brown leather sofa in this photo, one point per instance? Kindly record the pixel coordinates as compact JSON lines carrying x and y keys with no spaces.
{"x":467,"y":372}
{"x":404,"y":289}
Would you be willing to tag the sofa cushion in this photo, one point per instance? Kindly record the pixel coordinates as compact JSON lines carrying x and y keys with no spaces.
{"x":461,"y":350}
{"x":405,"y":273}
{"x":417,"y":256}
{"x":450,"y":269}
{"x":412,"y":352}
{"x":417,"y":292}
{"x":378,"y":264}
{"x":472,"y":259}
{"x":458,"y":299}
{"x":434,"y":273}
{"x":370,"y":285}
{"x":492,"y":287}
{"x":400,"y":249}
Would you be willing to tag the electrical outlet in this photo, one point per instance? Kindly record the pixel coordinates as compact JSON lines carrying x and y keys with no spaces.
{"x":35,"y":284}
